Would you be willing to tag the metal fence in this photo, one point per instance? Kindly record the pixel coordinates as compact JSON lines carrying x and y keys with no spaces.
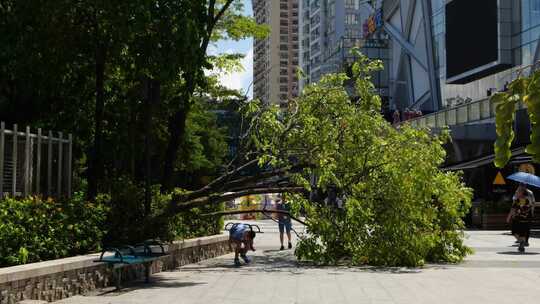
{"x":461,"y":114}
{"x":35,"y":163}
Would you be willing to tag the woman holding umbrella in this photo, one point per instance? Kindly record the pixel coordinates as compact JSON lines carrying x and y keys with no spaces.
{"x":521,"y":214}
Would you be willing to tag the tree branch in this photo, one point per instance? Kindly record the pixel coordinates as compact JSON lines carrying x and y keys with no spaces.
{"x":217,"y":182}
{"x":224,"y":197}
{"x":213,"y":20}
{"x":221,"y":213}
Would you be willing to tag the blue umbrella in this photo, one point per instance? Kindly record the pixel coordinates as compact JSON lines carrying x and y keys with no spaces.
{"x":525,"y":178}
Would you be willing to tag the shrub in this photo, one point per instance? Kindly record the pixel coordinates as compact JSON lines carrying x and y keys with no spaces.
{"x":127,"y":223}
{"x":35,"y":229}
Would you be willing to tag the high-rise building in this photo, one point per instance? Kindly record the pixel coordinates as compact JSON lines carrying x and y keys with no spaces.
{"x":448,"y":52}
{"x":329,"y":30}
{"x":275,"y":58}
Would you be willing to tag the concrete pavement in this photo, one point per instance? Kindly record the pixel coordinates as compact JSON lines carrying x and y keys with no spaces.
{"x":494,"y":274}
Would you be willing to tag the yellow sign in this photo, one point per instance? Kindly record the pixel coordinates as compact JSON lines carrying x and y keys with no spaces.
{"x":499,"y":179}
{"x":527,"y":168}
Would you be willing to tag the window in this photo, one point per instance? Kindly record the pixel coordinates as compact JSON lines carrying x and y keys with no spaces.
{"x":315,"y":20}
{"x":284,"y":38}
{"x":351,"y":19}
{"x":283,"y":80}
{"x":315,"y":47}
{"x":283,"y":6}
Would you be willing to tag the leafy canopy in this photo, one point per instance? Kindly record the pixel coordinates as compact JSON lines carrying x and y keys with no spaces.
{"x":398,"y":207}
{"x":522,"y":89}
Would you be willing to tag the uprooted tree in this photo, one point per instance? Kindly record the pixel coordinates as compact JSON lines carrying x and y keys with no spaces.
{"x":398,"y":207}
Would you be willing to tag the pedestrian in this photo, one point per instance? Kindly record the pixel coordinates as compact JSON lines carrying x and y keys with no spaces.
{"x":284,"y":222}
{"x":241,"y":237}
{"x":406,"y":114}
{"x":522,"y":188}
{"x":520,"y":215}
{"x":396,"y":117}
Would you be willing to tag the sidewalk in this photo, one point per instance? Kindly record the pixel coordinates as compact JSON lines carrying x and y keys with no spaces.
{"x":494,"y":274}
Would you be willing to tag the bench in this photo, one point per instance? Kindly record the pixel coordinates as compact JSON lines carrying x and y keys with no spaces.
{"x":124,"y":255}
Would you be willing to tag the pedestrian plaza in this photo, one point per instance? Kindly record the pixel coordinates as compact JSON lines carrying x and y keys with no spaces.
{"x":495,"y":273}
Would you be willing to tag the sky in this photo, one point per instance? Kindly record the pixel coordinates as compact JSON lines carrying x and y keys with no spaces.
{"x":239,"y":80}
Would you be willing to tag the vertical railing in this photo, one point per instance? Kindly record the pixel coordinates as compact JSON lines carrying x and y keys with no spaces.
{"x":2,"y":145}
{"x":14,"y":161}
{"x":461,"y":114}
{"x":22,"y":171}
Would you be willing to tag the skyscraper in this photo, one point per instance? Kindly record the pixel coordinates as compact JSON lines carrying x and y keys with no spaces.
{"x":275,"y":58}
{"x":329,"y":30}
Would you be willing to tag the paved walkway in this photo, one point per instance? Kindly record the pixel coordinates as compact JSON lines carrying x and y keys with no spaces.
{"x":494,"y":274}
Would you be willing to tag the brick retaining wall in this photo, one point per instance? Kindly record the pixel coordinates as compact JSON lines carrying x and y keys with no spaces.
{"x":62,"y":278}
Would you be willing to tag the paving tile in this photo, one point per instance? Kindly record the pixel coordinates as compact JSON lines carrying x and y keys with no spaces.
{"x":494,"y":274}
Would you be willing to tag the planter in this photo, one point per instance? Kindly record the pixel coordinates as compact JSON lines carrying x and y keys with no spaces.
{"x":494,"y":221}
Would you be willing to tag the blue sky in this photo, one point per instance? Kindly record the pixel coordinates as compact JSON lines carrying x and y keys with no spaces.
{"x":239,"y":80}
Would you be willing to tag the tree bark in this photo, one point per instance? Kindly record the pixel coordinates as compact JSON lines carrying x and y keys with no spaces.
{"x":177,"y":130}
{"x":96,"y":164}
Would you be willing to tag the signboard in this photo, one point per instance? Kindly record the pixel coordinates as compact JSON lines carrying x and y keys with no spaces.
{"x":499,"y":179}
{"x":373,"y":23}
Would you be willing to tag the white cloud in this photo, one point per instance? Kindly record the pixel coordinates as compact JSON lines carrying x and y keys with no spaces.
{"x":240,"y":80}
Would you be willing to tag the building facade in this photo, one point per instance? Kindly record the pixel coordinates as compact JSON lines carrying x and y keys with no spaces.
{"x":448,"y":52}
{"x":329,"y":30}
{"x":275,"y":58}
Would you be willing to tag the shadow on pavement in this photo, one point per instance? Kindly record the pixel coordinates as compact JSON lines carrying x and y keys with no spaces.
{"x":155,"y":282}
{"x":284,"y":261}
{"x":518,"y":253}
{"x":535,"y":234}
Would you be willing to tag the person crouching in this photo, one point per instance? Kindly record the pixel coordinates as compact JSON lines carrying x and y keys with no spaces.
{"x":241,"y":237}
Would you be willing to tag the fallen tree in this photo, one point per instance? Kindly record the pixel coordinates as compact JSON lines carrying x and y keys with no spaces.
{"x":396,"y":206}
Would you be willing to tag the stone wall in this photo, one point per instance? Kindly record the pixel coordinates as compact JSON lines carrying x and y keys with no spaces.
{"x":62,"y":278}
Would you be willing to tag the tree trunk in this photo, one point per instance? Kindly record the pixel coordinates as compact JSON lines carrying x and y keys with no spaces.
{"x":177,"y":130}
{"x":96,"y":164}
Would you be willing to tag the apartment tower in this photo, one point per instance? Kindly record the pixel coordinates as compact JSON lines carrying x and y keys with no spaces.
{"x":275,"y":58}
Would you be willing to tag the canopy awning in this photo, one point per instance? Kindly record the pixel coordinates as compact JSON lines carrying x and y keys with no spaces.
{"x":518,"y":157}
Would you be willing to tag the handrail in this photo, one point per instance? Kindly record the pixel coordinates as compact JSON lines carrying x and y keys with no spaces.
{"x":460,"y":114}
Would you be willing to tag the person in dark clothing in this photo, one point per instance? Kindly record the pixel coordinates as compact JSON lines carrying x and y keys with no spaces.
{"x":284,"y":223}
{"x":520,"y":191}
{"x":521,"y":214}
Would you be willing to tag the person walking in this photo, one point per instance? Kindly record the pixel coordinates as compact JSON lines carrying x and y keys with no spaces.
{"x":284,"y":222}
{"x":522,"y":188}
{"x":520,"y":215}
